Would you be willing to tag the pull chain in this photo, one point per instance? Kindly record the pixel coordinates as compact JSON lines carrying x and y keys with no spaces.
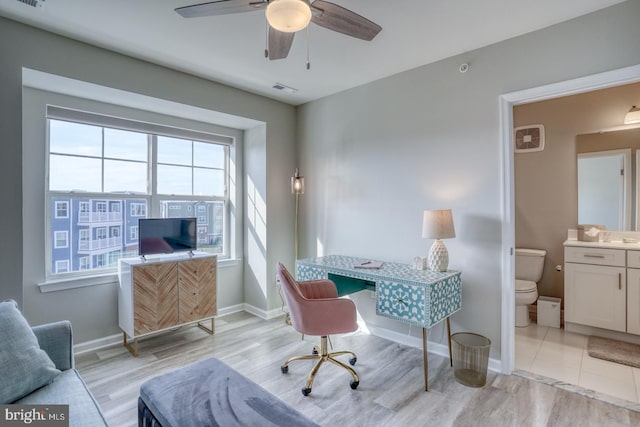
{"x":266,"y":40}
{"x":308,"y":37}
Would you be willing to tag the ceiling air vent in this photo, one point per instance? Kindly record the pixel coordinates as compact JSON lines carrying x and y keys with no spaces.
{"x":33,"y":3}
{"x":284,"y":88}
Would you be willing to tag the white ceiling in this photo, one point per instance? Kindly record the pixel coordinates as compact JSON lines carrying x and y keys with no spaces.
{"x":230,"y":48}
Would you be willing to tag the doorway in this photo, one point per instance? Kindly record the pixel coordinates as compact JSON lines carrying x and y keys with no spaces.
{"x":507,"y":102}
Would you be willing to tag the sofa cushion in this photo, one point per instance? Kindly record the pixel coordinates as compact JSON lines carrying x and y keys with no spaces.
{"x":68,"y":388}
{"x":24,"y":367}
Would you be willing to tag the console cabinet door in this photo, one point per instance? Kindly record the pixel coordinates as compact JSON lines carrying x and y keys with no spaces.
{"x":197,"y":289}
{"x":596,"y":295}
{"x":633,"y":301}
{"x":155,"y":297}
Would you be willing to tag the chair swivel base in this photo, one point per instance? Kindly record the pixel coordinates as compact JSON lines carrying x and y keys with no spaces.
{"x":322,"y":355}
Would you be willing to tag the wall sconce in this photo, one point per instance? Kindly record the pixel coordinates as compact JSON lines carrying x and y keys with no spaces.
{"x":633,"y":116}
{"x":297,"y":188}
{"x":438,"y":224}
{"x":297,"y":183}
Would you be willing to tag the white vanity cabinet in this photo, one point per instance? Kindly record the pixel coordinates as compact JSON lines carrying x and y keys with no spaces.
{"x":633,"y":292}
{"x":595,"y":287}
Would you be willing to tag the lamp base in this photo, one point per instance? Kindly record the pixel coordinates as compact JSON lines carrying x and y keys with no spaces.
{"x":438,"y":256}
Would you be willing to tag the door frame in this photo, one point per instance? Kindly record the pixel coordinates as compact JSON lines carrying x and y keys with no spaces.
{"x":507,"y":102}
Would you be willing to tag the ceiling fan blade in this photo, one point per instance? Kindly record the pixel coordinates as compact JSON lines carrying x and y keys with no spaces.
{"x":344,"y":21}
{"x":220,"y":7}
{"x":279,"y":43}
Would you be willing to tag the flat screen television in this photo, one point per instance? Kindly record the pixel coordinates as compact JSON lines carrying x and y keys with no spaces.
{"x":166,"y":235}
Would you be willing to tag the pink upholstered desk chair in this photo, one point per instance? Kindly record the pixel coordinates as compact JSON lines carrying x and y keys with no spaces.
{"x":315,"y":309}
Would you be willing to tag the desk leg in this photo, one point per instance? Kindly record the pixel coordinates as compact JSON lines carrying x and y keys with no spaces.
{"x":425,"y":359}
{"x":449,"y":338}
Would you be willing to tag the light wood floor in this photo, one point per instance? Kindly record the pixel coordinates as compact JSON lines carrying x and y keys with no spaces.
{"x":391,"y":389}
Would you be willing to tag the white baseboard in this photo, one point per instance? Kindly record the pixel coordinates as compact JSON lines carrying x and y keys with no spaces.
{"x":433,"y":347}
{"x":405,"y":339}
{"x":231,"y":309}
{"x":263,"y":314}
{"x":116,"y":339}
{"x":98,"y":344}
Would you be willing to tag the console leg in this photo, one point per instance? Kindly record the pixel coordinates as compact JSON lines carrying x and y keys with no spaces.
{"x":132,"y":349}
{"x":425,"y":359}
{"x":449,"y":340}
{"x":204,"y":328}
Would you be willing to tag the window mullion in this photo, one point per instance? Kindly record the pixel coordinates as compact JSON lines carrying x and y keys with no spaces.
{"x":102,"y":160}
{"x":154,"y":205}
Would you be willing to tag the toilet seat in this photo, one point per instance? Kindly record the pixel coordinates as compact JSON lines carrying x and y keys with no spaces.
{"x":525,"y":286}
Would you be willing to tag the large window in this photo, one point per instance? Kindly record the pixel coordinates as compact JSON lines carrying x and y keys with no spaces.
{"x":102,"y":178}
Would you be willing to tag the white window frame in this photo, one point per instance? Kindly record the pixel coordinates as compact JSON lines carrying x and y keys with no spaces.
{"x":62,"y":203}
{"x":60,"y":263}
{"x":101,"y":204}
{"x":138,"y":210}
{"x":64,"y":233}
{"x":133,"y":233}
{"x":41,"y":91}
{"x":84,"y":260}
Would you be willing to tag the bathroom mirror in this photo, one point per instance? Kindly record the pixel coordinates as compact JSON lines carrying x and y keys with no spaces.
{"x":604,"y":189}
{"x":607,"y":178}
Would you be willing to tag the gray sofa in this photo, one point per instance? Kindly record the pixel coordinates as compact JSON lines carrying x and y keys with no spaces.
{"x":65,"y":387}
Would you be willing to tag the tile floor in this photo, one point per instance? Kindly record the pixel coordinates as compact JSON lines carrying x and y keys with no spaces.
{"x":554,"y":353}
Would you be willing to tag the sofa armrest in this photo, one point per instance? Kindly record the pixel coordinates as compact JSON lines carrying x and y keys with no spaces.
{"x":56,"y":339}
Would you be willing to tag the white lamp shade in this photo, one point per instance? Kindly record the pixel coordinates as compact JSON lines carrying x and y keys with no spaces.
{"x":633,"y":116}
{"x":438,"y":224}
{"x":288,"y":16}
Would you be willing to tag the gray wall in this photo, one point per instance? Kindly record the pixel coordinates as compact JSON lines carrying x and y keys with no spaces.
{"x":93,"y":310}
{"x":376,"y":156}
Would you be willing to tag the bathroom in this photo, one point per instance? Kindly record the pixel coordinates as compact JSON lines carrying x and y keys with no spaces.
{"x":546,"y":207}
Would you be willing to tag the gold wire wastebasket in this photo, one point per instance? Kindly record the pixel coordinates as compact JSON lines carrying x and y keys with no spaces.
{"x":470,"y":358}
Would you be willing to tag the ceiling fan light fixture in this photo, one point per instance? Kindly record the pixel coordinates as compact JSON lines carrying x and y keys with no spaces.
{"x":288,"y":16}
{"x":633,"y":116}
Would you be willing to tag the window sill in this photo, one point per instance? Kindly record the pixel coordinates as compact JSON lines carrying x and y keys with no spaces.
{"x":103,"y":279}
{"x":77,"y":282}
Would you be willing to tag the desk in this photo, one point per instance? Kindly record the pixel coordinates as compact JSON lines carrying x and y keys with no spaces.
{"x":417,"y":297}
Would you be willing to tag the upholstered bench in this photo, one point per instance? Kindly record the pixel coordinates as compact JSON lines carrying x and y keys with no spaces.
{"x":210,"y":393}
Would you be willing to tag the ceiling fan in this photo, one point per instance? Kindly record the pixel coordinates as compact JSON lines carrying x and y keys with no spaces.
{"x":285,"y":17}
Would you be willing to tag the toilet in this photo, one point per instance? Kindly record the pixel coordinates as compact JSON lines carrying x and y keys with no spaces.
{"x":529,"y":266}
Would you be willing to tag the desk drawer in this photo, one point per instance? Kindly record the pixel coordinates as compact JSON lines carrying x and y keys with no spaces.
{"x":402,"y":302}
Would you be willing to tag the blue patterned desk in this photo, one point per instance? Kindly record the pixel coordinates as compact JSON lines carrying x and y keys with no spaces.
{"x":417,"y":297}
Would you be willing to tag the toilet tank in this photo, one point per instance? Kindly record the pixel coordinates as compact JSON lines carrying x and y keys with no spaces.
{"x":529,"y":264}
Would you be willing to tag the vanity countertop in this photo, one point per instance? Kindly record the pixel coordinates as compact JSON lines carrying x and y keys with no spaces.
{"x":614,"y":244}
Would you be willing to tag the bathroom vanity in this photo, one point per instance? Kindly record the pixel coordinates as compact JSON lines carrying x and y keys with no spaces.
{"x":602,"y":288}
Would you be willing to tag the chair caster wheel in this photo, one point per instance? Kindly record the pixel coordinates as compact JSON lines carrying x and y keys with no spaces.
{"x":306,"y":391}
{"x":353,"y":361}
{"x":284,"y":369}
{"x":354,"y":384}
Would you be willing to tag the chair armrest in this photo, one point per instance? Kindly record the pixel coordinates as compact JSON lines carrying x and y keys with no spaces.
{"x":317,"y":289}
{"x":56,"y":339}
{"x":327,"y":316}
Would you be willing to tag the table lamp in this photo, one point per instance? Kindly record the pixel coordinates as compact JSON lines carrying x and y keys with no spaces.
{"x":438,"y":224}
